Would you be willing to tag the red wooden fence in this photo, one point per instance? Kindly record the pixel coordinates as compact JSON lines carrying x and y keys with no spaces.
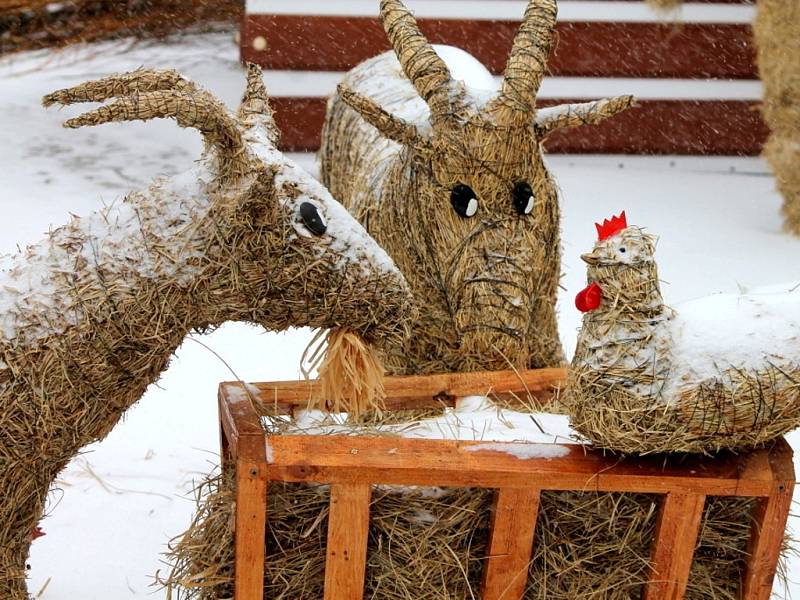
{"x":677,"y":65}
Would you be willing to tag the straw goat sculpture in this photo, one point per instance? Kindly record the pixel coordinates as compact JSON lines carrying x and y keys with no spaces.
{"x":450,"y":180}
{"x":92,"y":314}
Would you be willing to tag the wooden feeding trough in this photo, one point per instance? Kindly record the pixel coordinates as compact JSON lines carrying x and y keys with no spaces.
{"x":353,"y":464}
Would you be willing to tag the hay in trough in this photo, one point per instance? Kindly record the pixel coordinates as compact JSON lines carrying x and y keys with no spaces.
{"x":90,"y":316}
{"x":430,"y":544}
{"x":645,"y":380}
{"x":777,"y":32}
{"x":451,"y":181}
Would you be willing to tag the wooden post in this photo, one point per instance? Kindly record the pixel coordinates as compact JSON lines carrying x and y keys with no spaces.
{"x":769,"y":523}
{"x":510,"y":543}
{"x":673,"y":547}
{"x":251,"y":523}
{"x":348,"y":530}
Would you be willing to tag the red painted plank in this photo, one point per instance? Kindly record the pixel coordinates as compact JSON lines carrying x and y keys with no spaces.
{"x":690,"y":50}
{"x":684,"y":127}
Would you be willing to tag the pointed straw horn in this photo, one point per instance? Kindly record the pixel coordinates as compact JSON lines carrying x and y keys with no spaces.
{"x":423,"y":67}
{"x":528,"y":61}
{"x":390,"y":126}
{"x":255,"y":110}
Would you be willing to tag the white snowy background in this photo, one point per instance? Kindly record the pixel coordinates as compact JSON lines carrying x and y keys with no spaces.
{"x":121,"y":501}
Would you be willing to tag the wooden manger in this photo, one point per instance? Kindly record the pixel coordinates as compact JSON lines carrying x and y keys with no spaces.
{"x":353,"y":464}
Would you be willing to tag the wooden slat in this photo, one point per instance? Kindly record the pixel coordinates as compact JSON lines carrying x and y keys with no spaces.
{"x":594,"y":49}
{"x":413,"y":391}
{"x":251,"y":518}
{"x":683,"y":127}
{"x":769,"y":523}
{"x":673,"y":547}
{"x":402,"y":461}
{"x":510,"y":543}
{"x":348,"y":528}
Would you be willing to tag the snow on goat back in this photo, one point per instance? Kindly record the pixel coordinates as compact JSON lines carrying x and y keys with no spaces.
{"x":446,"y":172}
{"x":90,"y":316}
{"x":717,"y":372}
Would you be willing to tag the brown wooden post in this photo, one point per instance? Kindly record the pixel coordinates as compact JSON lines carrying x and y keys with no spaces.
{"x":245,"y":442}
{"x":510,"y":543}
{"x":348,"y":530}
{"x":251,"y":521}
{"x":673,"y":547}
{"x":769,"y":524}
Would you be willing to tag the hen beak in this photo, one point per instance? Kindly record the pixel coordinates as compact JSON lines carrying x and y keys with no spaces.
{"x":590,"y":258}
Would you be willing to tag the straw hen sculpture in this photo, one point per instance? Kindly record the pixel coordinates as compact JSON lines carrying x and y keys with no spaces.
{"x":721,"y":372}
{"x":92,"y":314}
{"x":450,"y":180}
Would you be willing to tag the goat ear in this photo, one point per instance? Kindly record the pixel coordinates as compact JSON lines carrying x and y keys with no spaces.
{"x":574,"y":115}
{"x":255,"y":110}
{"x":394,"y":128}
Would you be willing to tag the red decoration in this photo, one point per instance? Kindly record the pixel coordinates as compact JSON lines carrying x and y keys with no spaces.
{"x":589,"y":298}
{"x":37,"y":532}
{"x":609,"y":228}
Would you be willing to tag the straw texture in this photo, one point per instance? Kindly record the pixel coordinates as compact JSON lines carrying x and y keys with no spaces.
{"x":452,"y":183}
{"x":777,"y":32}
{"x":430,"y":544}
{"x":92,"y":314}
{"x":626,"y":390}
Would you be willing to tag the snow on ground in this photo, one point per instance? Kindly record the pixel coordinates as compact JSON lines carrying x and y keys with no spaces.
{"x":123,"y":499}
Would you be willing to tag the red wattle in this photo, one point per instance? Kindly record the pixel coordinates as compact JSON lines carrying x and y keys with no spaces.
{"x":589,"y":298}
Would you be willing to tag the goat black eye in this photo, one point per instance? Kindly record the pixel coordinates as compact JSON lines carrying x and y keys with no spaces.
{"x":312,"y":218}
{"x":523,"y":198}
{"x":464,"y":201}
{"x":622,"y":250}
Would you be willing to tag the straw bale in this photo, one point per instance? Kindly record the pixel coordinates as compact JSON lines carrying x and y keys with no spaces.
{"x":777,"y":32}
{"x":451,"y":181}
{"x":629,"y":392}
{"x":430,"y":544}
{"x":31,"y":24}
{"x":90,"y":316}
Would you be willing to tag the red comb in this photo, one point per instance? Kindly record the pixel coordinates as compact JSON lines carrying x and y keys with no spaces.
{"x":610,"y":227}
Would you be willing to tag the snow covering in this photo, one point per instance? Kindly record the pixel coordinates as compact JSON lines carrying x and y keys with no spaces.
{"x":32,"y":282}
{"x":747,"y":331}
{"x":123,"y":499}
{"x":474,"y":418}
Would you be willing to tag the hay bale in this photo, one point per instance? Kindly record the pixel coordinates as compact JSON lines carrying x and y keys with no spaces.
{"x":32,"y":24}
{"x":451,"y":181}
{"x":430,"y":544}
{"x":90,"y":316}
{"x":777,"y":32}
{"x":645,"y":379}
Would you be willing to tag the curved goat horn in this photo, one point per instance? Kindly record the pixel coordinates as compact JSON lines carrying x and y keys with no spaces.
{"x":424,"y":68}
{"x":255,"y":111}
{"x":150,"y":94}
{"x":528,"y":61}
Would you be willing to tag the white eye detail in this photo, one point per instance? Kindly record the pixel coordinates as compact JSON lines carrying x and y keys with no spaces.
{"x":529,"y":205}
{"x":472,"y":207}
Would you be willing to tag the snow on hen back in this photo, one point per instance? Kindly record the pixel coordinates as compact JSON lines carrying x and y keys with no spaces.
{"x":720,"y":372}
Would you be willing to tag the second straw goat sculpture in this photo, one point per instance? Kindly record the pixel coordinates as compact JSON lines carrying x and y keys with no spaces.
{"x":92,"y":314}
{"x":450,"y":180}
